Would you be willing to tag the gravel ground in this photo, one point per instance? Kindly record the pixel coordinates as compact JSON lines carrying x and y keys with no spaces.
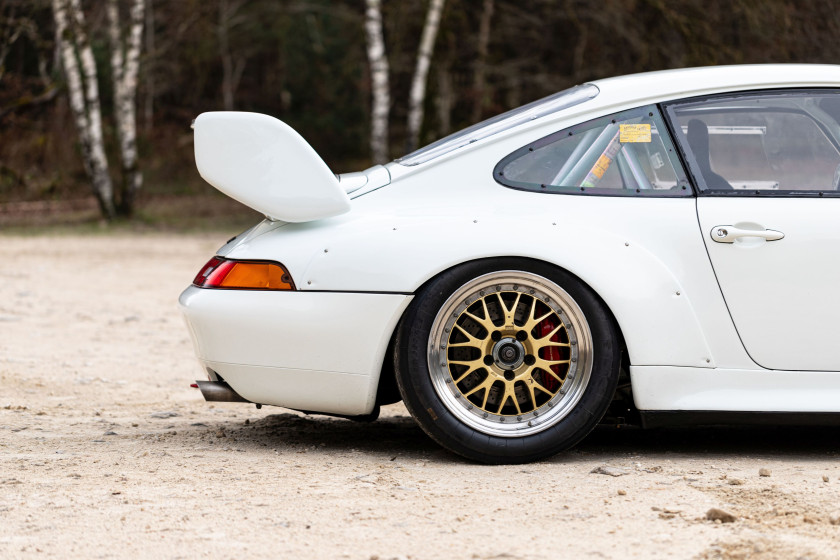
{"x":106,"y":452}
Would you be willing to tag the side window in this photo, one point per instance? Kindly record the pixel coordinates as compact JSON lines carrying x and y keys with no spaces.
{"x":762,"y":143}
{"x":628,"y":153}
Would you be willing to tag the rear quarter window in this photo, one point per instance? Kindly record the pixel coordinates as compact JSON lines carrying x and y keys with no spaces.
{"x":626,"y":154}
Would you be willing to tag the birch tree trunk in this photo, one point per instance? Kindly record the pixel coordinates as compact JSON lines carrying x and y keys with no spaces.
{"x":83,"y":90}
{"x":381,"y":102}
{"x":421,"y":72}
{"x":125,"y":63}
{"x":479,"y":81}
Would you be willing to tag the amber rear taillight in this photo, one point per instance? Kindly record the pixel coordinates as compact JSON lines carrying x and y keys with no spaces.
{"x":243,"y":275}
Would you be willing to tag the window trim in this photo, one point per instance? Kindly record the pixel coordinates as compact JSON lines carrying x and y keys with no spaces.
{"x":692,"y":168}
{"x":653,"y":111}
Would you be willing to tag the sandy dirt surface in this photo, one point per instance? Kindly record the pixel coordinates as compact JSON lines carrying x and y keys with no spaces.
{"x":106,"y":452}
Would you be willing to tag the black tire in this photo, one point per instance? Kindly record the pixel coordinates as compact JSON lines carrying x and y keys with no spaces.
{"x":443,"y":400}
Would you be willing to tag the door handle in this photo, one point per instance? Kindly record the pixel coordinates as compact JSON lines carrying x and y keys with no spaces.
{"x":728,"y":234}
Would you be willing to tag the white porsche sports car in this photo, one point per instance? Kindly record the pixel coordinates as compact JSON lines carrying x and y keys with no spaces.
{"x":669,"y":241}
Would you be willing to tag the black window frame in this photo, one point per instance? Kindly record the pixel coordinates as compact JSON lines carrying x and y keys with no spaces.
{"x":654,"y":112}
{"x":692,"y":168}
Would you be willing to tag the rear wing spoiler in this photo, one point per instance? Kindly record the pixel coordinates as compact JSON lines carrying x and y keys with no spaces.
{"x":263,"y":163}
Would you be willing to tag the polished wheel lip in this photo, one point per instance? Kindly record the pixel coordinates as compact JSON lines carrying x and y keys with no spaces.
{"x":549,"y":413}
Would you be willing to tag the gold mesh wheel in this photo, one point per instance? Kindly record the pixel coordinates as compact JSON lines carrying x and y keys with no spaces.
{"x":510,"y":353}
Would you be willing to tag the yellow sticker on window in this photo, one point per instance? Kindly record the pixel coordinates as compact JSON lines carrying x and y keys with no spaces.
{"x":634,"y":133}
{"x":601,"y":166}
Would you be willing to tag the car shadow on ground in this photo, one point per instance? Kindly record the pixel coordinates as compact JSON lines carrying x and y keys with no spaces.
{"x":399,"y":435}
{"x":386,"y":437}
{"x":760,"y":441}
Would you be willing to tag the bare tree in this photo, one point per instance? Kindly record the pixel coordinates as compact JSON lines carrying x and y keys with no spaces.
{"x":14,"y":27}
{"x":444,"y":101}
{"x":83,"y":90}
{"x":381,"y":102}
{"x":125,"y":62}
{"x":578,"y":60}
{"x":417,"y":96}
{"x":232,"y":66}
{"x":480,"y":77}
{"x":149,"y":74}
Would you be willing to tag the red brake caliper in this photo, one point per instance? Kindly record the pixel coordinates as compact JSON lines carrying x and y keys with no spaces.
{"x":550,"y":353}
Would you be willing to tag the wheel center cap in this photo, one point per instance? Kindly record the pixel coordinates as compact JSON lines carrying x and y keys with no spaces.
{"x":508,"y":353}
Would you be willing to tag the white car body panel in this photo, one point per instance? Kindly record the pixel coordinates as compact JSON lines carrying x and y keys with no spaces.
{"x":645,"y":257}
{"x":784,"y":296}
{"x":741,"y":390}
{"x":268,"y":335}
{"x":263,"y":163}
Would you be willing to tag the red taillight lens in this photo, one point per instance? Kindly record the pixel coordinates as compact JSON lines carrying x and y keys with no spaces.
{"x":205,"y":271}
{"x":244,"y":275}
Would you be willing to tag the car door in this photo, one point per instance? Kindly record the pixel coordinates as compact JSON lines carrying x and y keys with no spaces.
{"x":767,"y":166}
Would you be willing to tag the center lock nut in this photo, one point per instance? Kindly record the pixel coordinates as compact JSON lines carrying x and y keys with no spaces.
{"x":508,"y":353}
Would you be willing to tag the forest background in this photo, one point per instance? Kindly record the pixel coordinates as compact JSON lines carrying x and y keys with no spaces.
{"x":363,"y":81}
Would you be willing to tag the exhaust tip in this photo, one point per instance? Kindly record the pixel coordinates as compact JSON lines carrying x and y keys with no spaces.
{"x":219,"y":391}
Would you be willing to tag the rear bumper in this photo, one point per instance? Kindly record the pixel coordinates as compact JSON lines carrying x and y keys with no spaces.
{"x":316,"y":351}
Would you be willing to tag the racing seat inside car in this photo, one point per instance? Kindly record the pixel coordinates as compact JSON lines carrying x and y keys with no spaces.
{"x":698,"y":140}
